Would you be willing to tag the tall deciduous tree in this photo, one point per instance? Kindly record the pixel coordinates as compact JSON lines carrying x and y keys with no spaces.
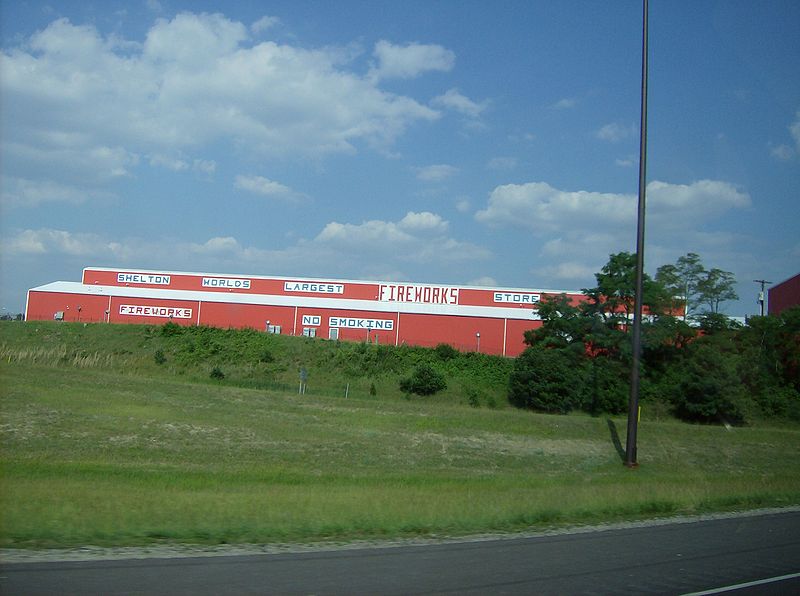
{"x":563,"y":325}
{"x":682,"y":279}
{"x":715,"y":287}
{"x":699,"y":289}
{"x":615,"y":293}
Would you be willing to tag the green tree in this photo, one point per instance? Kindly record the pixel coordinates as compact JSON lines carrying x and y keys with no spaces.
{"x":770,"y":363}
{"x":613,"y":297}
{"x":563,"y":324}
{"x":681,"y":281}
{"x":715,"y":287}
{"x":581,"y":354}
{"x":664,"y":340}
{"x":615,"y":293}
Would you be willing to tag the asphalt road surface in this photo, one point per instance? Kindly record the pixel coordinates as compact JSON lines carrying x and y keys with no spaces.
{"x":740,"y":555}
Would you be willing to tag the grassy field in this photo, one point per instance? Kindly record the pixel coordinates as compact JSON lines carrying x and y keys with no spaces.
{"x":102,"y":445}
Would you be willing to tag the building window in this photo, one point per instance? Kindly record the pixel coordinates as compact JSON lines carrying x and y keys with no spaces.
{"x":333,"y":333}
{"x":310,"y":331}
{"x":274,"y":329}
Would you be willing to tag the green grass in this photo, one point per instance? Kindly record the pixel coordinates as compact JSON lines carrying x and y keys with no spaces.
{"x":253,"y":359}
{"x":102,"y":445}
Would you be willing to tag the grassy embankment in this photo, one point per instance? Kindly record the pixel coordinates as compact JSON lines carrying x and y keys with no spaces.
{"x":102,"y":445}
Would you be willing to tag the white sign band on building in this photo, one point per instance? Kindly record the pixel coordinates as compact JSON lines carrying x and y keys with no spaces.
{"x":312,"y":320}
{"x":313,"y":287}
{"x":165,"y":312}
{"x":516,"y":297}
{"x":143,"y":278}
{"x":415,"y":293}
{"x":352,"y":323}
{"x":229,"y":283}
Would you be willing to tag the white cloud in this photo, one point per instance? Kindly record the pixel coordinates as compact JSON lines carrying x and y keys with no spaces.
{"x":569,"y":271}
{"x":71,"y":160}
{"x":782,"y":152}
{"x":48,"y":241}
{"x":262,"y":186}
{"x":483,"y":281}
{"x":502,"y":163}
{"x":219,"y":245}
{"x":21,"y":192}
{"x":84,"y":106}
{"x":435,"y":173}
{"x":264,"y":23}
{"x":794,"y":130}
{"x":171,"y":163}
{"x":540,"y":207}
{"x":204,"y":166}
{"x":676,"y":205}
{"x":374,"y":249}
{"x":423,"y":223}
{"x":616,"y":132}
{"x":627,"y":162}
{"x":575,"y":231}
{"x":179,"y":164}
{"x":418,"y":237}
{"x":565,"y":104}
{"x":463,"y":205}
{"x":454,"y":100}
{"x":193,"y":41}
{"x":409,"y":61}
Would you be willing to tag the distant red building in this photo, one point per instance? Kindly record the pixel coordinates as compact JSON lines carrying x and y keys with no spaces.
{"x":489,"y":320}
{"x":784,"y":295}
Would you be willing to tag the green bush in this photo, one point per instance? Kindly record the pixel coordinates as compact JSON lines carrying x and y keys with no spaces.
{"x":446,"y":352}
{"x":159,"y":357}
{"x":606,"y":388}
{"x":708,"y":387}
{"x":425,"y":380}
{"x":473,"y":397}
{"x":216,"y":373}
{"x":546,"y":380}
{"x":170,"y":329}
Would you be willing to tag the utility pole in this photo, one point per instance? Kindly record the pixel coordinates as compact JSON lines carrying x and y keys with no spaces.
{"x":633,"y":402}
{"x":763,"y":283}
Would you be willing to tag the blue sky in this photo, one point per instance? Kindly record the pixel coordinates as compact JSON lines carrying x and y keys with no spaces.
{"x":458,"y":142}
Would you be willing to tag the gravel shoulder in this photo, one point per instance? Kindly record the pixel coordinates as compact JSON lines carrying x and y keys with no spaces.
{"x":171,"y":551}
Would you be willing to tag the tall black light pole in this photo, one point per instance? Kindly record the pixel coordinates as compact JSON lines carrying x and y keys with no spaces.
{"x":633,"y":402}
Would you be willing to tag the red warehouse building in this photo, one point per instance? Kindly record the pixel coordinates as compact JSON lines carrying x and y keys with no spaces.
{"x":490,"y":320}
{"x":784,"y":295}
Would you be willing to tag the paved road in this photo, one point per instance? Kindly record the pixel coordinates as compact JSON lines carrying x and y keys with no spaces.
{"x":663,"y":559}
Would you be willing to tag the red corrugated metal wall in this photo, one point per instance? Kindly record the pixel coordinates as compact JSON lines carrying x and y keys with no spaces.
{"x":406,"y":328}
{"x":42,"y":306}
